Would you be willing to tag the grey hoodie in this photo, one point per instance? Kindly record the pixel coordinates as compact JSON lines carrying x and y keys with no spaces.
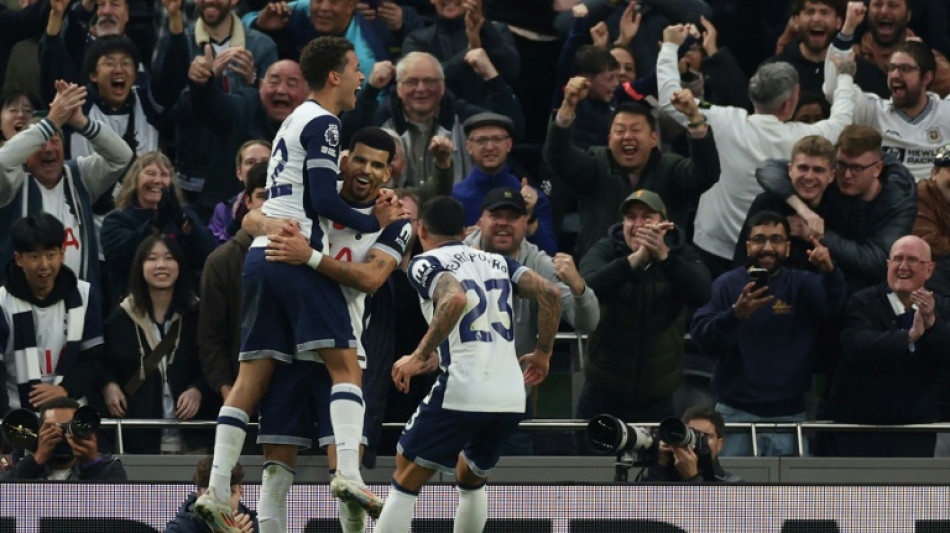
{"x":581,"y":312}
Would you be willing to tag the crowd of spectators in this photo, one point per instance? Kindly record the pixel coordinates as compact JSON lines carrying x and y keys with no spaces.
{"x":645,"y":155}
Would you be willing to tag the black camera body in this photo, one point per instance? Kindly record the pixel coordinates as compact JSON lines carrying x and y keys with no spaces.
{"x":21,"y":428}
{"x":640,"y":446}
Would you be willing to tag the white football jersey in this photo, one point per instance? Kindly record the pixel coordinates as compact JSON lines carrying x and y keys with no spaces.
{"x":302,"y":176}
{"x":914,"y":141}
{"x":350,"y":245}
{"x":478,"y":357}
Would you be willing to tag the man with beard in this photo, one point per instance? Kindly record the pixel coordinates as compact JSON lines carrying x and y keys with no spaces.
{"x":241,"y":57}
{"x":647,"y":278}
{"x":502,"y":229}
{"x":914,"y":122}
{"x":895,"y":341}
{"x":887,"y":28}
{"x":805,"y":44}
{"x":762,"y":334}
{"x":489,"y":143}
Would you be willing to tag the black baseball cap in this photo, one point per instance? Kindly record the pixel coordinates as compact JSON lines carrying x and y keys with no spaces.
{"x":504,"y":197}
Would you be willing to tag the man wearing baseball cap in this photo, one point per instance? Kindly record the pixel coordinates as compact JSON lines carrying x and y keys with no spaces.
{"x":501,"y":230}
{"x":647,"y":278}
{"x":489,"y":143}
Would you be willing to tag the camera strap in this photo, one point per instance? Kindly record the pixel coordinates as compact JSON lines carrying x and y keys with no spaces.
{"x":150,"y":363}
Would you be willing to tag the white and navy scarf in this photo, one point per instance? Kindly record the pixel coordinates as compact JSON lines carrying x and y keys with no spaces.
{"x":26,"y":352}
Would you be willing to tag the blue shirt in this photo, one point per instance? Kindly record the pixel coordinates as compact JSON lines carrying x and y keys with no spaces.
{"x":472,"y":190}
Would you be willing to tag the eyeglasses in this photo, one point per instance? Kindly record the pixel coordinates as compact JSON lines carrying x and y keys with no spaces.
{"x":414,"y":82}
{"x":903,"y":68}
{"x":911,"y":261}
{"x":494,"y":139}
{"x":843,"y":168}
{"x":775,"y":240}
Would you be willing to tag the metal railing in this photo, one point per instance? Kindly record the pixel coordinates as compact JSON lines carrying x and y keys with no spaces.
{"x":559,"y":424}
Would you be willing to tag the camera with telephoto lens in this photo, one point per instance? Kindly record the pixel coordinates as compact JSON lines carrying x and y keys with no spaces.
{"x":21,"y":428}
{"x":608,"y":434}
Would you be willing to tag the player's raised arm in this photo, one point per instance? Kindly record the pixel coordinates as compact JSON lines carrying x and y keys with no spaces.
{"x":450,"y":302}
{"x":533,"y":286}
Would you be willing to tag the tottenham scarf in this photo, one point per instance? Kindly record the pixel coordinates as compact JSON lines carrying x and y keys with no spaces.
{"x":25,"y":350}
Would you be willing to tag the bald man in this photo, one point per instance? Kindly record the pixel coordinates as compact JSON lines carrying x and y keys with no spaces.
{"x":895,"y":339}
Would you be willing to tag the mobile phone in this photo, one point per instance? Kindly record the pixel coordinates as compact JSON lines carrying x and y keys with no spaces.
{"x":760,"y":276}
{"x":374,"y":4}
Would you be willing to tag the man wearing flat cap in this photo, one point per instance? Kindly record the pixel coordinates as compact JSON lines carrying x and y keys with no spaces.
{"x":647,"y":278}
{"x":489,"y":143}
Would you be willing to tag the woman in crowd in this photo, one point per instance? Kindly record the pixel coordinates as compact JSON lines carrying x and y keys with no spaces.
{"x":150,"y":203}
{"x":151,"y":367}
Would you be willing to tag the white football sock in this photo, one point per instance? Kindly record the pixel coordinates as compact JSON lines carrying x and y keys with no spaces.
{"x":472,"y":512}
{"x":397,"y":513}
{"x":346,"y":415}
{"x":228,"y":441}
{"x":272,"y":507}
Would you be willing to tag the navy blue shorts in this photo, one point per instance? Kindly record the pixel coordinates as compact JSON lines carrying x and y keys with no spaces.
{"x":434,"y":437}
{"x":296,"y":407}
{"x":290,"y":311}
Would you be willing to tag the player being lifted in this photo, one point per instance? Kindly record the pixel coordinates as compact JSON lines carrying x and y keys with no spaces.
{"x":479,"y":398}
{"x":292,"y":313}
{"x":361,"y":262}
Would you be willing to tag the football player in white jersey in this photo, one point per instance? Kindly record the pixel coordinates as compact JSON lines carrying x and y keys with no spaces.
{"x":913,"y":122}
{"x":479,"y":398}
{"x":361,"y":262}
{"x":292,"y":313}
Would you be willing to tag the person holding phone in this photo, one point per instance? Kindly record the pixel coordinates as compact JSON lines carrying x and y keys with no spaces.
{"x":760,"y":326}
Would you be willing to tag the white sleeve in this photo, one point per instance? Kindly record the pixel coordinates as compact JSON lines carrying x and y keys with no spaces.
{"x":668,"y":81}
{"x":100,"y":170}
{"x":15,"y":152}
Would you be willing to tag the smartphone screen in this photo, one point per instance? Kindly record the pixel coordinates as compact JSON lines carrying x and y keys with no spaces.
{"x":760,"y":276}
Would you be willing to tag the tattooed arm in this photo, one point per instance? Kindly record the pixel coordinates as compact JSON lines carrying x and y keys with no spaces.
{"x":533,"y":286}
{"x":450,"y":302}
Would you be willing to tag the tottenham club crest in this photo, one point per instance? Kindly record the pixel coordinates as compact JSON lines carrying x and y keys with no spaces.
{"x":332,"y":135}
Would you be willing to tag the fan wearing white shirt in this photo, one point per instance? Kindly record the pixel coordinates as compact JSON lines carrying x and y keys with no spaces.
{"x":913,"y":121}
{"x":745,"y":141}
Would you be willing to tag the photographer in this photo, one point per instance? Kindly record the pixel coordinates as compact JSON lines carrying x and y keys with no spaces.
{"x":187,"y":521}
{"x":683,"y":463}
{"x":63,"y":457}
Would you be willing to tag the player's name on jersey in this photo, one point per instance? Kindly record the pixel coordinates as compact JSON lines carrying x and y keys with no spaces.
{"x":494,"y":261}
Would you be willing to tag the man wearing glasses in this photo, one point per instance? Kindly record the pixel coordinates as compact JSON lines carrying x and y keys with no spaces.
{"x":914,"y":121}
{"x":894,"y":342}
{"x":762,"y":333}
{"x":489,"y":144}
{"x":871,"y":204}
